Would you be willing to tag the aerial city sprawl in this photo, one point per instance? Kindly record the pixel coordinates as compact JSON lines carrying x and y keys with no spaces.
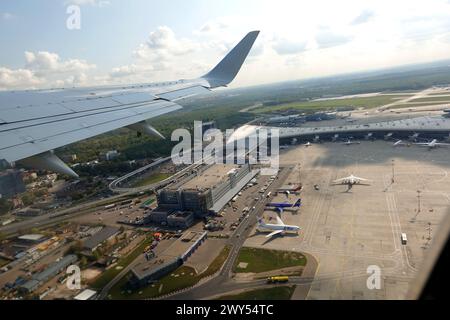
{"x":329,"y":187}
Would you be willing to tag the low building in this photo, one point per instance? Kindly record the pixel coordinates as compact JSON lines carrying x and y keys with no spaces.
{"x":32,"y":238}
{"x":111,"y":155}
{"x":172,"y":258}
{"x":158,"y":217}
{"x":39,"y":279}
{"x":182,"y":220}
{"x":93,"y":242}
{"x":29,"y":212}
{"x":86,"y":295}
{"x":11,"y":183}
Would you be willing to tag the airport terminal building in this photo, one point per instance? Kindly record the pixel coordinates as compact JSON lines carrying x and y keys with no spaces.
{"x":206,"y":191}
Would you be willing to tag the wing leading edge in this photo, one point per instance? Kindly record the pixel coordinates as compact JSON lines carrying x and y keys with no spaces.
{"x":35,"y":122}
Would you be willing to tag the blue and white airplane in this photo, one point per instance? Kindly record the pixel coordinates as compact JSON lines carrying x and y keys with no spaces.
{"x":281,"y":206}
{"x":279,"y":228}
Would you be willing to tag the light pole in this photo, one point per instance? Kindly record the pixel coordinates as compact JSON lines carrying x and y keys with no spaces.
{"x":393,"y":171}
{"x":418,"y":201}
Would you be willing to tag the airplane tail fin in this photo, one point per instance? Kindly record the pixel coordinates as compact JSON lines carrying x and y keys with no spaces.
{"x":228,"y":68}
{"x":298,"y":204}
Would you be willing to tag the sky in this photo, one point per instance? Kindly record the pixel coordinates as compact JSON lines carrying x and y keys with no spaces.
{"x":140,"y":41}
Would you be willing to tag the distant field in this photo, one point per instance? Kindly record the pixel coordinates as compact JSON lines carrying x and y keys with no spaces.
{"x":261,"y":260}
{"x":367,"y":103}
{"x":434,"y":99}
{"x":412,"y":106}
{"x":276,"y":293}
{"x":154,"y":178}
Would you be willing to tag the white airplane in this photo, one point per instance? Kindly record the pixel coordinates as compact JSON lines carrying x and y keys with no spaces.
{"x":316,"y":139}
{"x":400,"y":143}
{"x":335,"y":138}
{"x":308,"y":144}
{"x":432,"y":145}
{"x":369,"y":136}
{"x":279,"y":228}
{"x":414,"y":137}
{"x":349,"y":143}
{"x":388,"y":136}
{"x":35,"y":122}
{"x":351,"y":181}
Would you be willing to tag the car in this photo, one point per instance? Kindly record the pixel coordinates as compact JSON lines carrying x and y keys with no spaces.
{"x":316,"y":187}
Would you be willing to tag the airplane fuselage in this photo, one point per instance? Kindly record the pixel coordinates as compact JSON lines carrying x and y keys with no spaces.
{"x":276,"y":227}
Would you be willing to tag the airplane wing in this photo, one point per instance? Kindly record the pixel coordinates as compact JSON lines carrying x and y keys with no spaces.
{"x":274,"y":233}
{"x":339,"y":180}
{"x":440,"y":144}
{"x":362,"y":179}
{"x":35,"y":122}
{"x":279,"y":221}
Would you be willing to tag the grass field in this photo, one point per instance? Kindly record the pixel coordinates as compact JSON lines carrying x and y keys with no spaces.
{"x":433,"y":99}
{"x":111,"y":273}
{"x":276,"y":293}
{"x":154,"y":178}
{"x":412,"y":106}
{"x":368,"y":103}
{"x":183,"y":277}
{"x":261,"y":260}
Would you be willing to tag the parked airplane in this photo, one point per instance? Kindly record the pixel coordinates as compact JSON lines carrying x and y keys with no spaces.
{"x":281,"y":206}
{"x":335,"y":138}
{"x":349,"y":143}
{"x":432,"y":145}
{"x":414,"y":137}
{"x":35,"y":122}
{"x":369,"y":136}
{"x":400,"y":143}
{"x":351,"y":181}
{"x":308,"y":144}
{"x":316,"y":139}
{"x":279,"y":228}
{"x":388,"y":136}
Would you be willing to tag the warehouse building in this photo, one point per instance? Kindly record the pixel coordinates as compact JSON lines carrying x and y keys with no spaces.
{"x":172,"y":258}
{"x":99,"y":238}
{"x":206,"y":191}
{"x":52,"y":271}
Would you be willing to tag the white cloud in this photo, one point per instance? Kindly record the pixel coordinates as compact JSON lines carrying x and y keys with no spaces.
{"x":364,"y":17}
{"x":327,"y":38}
{"x":284,"y":46}
{"x":45,"y":69}
{"x":94,"y":3}
{"x":46,"y":62}
{"x":20,"y":78}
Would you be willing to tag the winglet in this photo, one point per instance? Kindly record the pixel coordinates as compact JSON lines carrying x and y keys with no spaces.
{"x":228,"y":68}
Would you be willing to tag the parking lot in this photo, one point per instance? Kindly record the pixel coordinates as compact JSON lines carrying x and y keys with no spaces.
{"x":349,"y":231}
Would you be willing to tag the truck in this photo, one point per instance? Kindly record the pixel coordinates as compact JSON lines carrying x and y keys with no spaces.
{"x":277,"y":279}
{"x":404,"y":239}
